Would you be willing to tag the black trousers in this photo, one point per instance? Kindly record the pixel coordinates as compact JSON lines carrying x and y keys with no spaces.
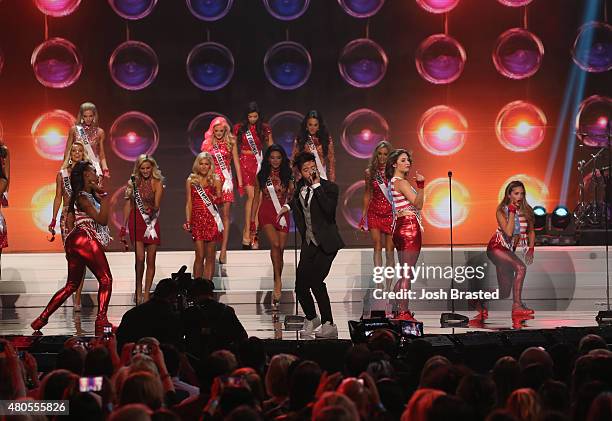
{"x":312,"y":270}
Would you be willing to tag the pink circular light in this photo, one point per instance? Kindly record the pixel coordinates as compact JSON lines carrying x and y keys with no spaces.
{"x":518,"y":54}
{"x":515,"y":3}
{"x":520,"y":126}
{"x":56,"y":63}
{"x":442,"y":130}
{"x":440,"y":59}
{"x":436,"y":208}
{"x":50,"y":132}
{"x":57,"y":8}
{"x":351,"y":203}
{"x":132,"y":134}
{"x":362,"y":130}
{"x":592,"y":50}
{"x":438,"y":6}
{"x":536,"y":191}
{"x":42,"y":206}
{"x":592,"y":121}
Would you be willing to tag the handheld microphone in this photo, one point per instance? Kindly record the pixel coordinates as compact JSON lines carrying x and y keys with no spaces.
{"x":450,"y":174}
{"x":133,"y":178}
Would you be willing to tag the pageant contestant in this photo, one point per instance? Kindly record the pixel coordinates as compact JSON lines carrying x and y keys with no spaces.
{"x":221,"y":144}
{"x":514,"y":230}
{"x":276,"y":187}
{"x":314,"y":138}
{"x":63,"y":191}
{"x":203,"y":189}
{"x":314,"y":212}
{"x":88,"y":211}
{"x":87,"y":131}
{"x":147,"y":194}
{"x":407,"y":205}
{"x":377,"y":209}
{"x":253,"y":136}
{"x":5,"y":176}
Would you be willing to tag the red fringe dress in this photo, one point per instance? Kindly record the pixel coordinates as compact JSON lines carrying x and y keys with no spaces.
{"x":145,"y":190}
{"x":380,"y":211}
{"x":248,"y":161}
{"x":267,"y":211}
{"x":203,"y":225}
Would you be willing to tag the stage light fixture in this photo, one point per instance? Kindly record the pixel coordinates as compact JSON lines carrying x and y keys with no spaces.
{"x":520,"y":126}
{"x":198,"y":126}
{"x":132,"y":134}
{"x":42,"y":206}
{"x":442,"y":130}
{"x":537,"y":191}
{"x":560,"y":218}
{"x":57,"y":8}
{"x":209,"y":10}
{"x":56,"y":63}
{"x":539,"y":213}
{"x":285,"y":126}
{"x":352,"y":203}
{"x":133,"y":65}
{"x":592,"y":50}
{"x":287,"y":65}
{"x":286,"y":9}
{"x":440,"y":59}
{"x":592,"y":121}
{"x":436,"y":210}
{"x":518,"y":53}
{"x":363,"y":63}
{"x":361,"y":8}
{"x":361,"y":131}
{"x":210,"y":66}
{"x":133,"y":9}
{"x":50,"y":132}
{"x":438,"y":6}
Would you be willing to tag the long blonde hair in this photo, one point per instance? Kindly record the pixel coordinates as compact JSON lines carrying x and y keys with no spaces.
{"x":87,"y":106}
{"x":526,"y":209}
{"x":68,"y":161}
{"x":155,"y":173}
{"x":228,"y":137}
{"x":373,"y":165}
{"x":194,"y":177}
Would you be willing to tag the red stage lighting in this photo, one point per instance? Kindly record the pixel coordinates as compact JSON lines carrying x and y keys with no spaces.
{"x":520,"y":126}
{"x":435,"y":210}
{"x":442,"y":130}
{"x":50,"y":132}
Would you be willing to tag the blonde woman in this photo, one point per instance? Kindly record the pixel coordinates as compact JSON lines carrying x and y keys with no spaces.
{"x":220,"y":143}
{"x":87,"y":131}
{"x":377,"y":210}
{"x":62,"y":198}
{"x":202,"y":219}
{"x":146,"y":188}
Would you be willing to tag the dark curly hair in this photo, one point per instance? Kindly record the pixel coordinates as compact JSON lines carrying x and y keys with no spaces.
{"x":77,"y":182}
{"x":244,"y":124}
{"x":322,"y":133}
{"x":285,"y":168}
{"x":392,"y":160}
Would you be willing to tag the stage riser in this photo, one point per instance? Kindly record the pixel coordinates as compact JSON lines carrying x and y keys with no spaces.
{"x":557,"y":273}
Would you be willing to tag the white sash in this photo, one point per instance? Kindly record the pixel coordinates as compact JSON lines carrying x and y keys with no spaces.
{"x":228,"y":185}
{"x":210,"y":206}
{"x":383,"y":187}
{"x":313,"y":150}
{"x":275,"y":201}
{"x":150,"y":231}
{"x":66,"y":181}
{"x":2,"y":224}
{"x":254,"y":149}
{"x":90,"y":153}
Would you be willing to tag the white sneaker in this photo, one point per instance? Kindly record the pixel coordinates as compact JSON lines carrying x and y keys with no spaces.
{"x":327,"y":331}
{"x":309,"y":326}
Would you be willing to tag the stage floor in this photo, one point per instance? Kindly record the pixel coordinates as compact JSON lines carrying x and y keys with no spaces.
{"x":260,"y":321}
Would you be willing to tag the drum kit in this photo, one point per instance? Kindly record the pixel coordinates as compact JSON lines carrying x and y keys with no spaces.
{"x":595,"y":185}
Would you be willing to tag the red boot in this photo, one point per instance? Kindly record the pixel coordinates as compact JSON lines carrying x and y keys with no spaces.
{"x":38,"y":323}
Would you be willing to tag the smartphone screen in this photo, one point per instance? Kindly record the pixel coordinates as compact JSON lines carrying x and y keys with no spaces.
{"x":90,"y":384}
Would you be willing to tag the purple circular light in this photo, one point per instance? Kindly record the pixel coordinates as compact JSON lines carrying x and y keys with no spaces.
{"x":438,"y":6}
{"x":209,"y":10}
{"x":133,"y":65}
{"x":287,"y":65}
{"x":286,"y":9}
{"x":518,"y":54}
{"x":56,"y":63}
{"x":440,"y":59}
{"x":442,"y":130}
{"x":285,"y":128}
{"x":50,"y":133}
{"x":362,"y":130}
{"x":57,"y":8}
{"x":352,"y":203}
{"x":363,"y":63}
{"x":361,"y":8}
{"x":593,"y":121}
{"x":592,"y":50}
{"x":515,"y":3}
{"x":520,"y":126}
{"x":133,"y":9}
{"x":133,"y":134}
{"x":198,"y":126}
{"x":210,"y":66}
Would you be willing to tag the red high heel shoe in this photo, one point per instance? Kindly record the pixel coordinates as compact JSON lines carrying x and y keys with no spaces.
{"x":39,"y":323}
{"x":522,"y":311}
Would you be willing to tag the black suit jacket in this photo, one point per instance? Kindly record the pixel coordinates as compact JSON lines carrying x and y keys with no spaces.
{"x":322,"y":213}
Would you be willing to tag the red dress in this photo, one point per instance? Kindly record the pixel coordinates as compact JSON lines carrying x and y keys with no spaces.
{"x":145,"y":190}
{"x":267,"y":211}
{"x":3,"y":230}
{"x":380,"y":212}
{"x":226,"y":153}
{"x":248,"y":161}
{"x":203,"y":225}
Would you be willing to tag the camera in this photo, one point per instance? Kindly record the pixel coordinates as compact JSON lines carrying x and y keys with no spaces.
{"x":108,"y":332}
{"x":90,"y":384}
{"x":234,"y":381}
{"x":141,"y":349}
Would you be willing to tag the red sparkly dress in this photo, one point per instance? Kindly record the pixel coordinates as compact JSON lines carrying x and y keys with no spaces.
{"x":89,"y":134}
{"x":380,"y":211}
{"x":329,"y":161}
{"x":66,"y":193}
{"x":3,"y":230}
{"x":226,"y":153}
{"x":203,"y":224}
{"x":267,"y":211}
{"x":145,"y":190}
{"x":248,"y":161}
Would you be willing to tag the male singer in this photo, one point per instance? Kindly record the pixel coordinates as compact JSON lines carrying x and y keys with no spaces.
{"x":314,"y":211}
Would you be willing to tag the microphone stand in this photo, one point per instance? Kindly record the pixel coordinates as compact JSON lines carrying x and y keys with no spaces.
{"x":134,"y":188}
{"x":452,"y":319}
{"x":604,"y":317}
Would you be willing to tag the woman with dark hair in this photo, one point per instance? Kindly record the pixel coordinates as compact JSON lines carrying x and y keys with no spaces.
{"x":5,"y":176}
{"x":377,"y":209}
{"x":87,"y":218}
{"x":514,"y":229}
{"x":275,"y":187}
{"x":314,"y":138}
{"x":252,"y":136}
{"x":407,"y":205}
